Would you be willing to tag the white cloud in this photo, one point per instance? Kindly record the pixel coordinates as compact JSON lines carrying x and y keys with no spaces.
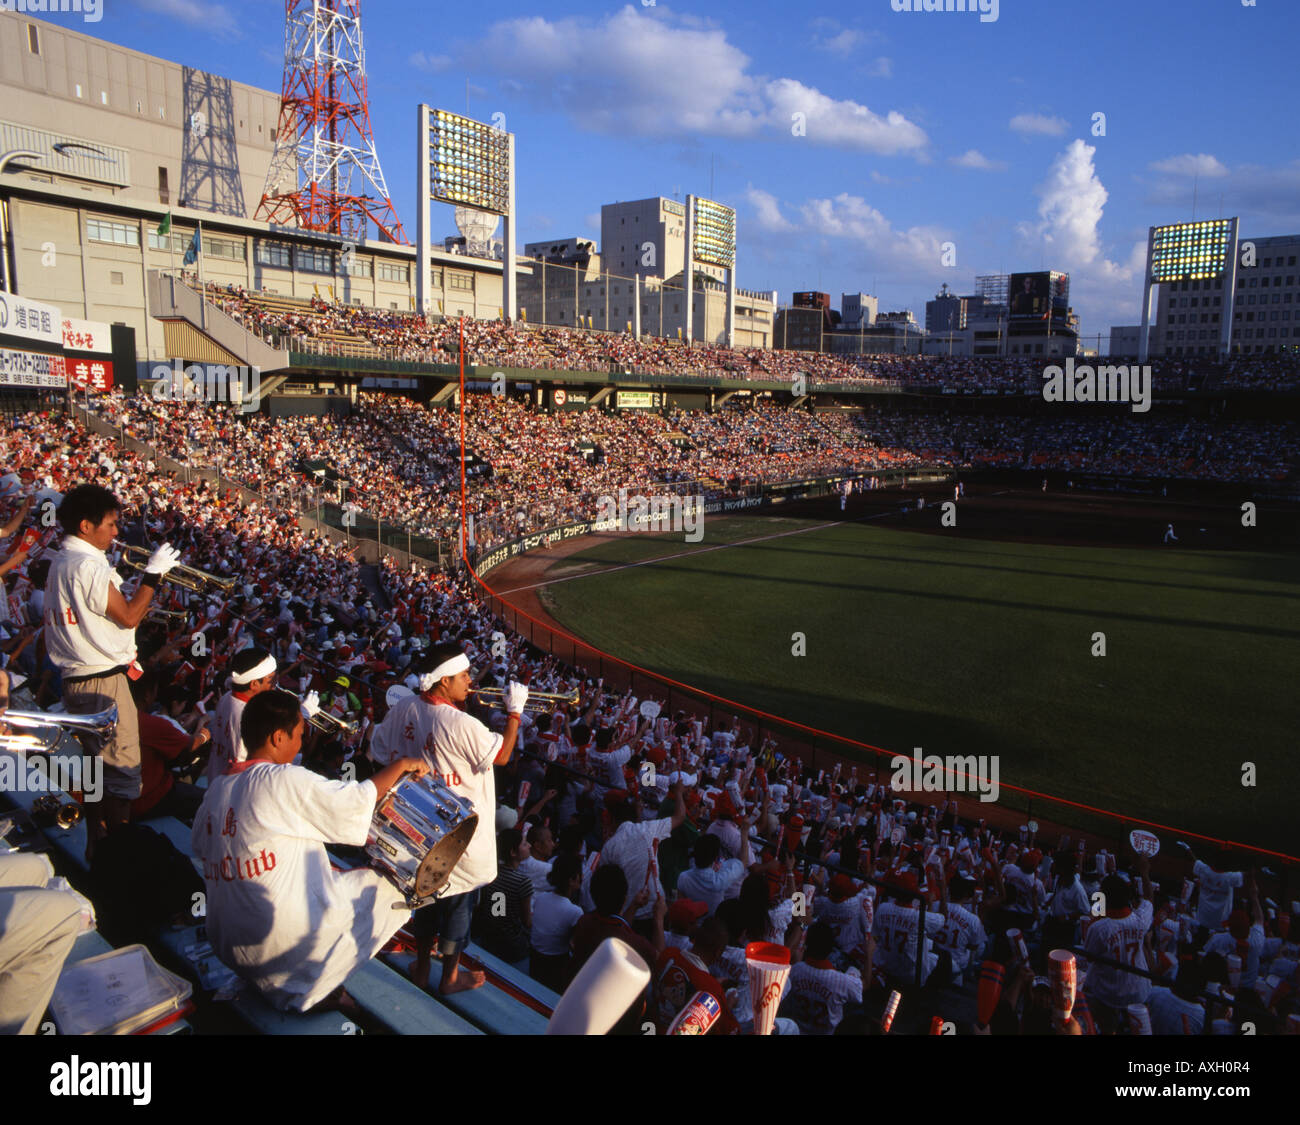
{"x":843,"y":43}
{"x":842,"y":123}
{"x":974,"y":159}
{"x":1201,"y":164}
{"x":768,"y":211}
{"x":1072,"y":200}
{"x":431,"y":64}
{"x":1038,"y":125}
{"x":852,"y":220}
{"x":644,"y":72}
{"x":214,"y":18}
{"x":1267,"y":197}
{"x":880,"y":68}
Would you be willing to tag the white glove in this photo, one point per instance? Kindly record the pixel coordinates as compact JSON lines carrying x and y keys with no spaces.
{"x":162,"y":560}
{"x":516,"y":695}
{"x":311,"y":705}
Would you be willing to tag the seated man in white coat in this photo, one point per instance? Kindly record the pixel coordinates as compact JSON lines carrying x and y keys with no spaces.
{"x":277,"y":914}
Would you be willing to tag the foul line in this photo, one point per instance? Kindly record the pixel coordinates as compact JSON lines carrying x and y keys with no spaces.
{"x":667,"y":558}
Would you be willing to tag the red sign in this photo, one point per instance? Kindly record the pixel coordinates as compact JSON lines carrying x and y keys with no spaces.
{"x":97,"y":372}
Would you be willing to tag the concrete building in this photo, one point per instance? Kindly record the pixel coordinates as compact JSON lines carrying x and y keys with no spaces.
{"x":635,"y":282}
{"x":800,"y":329}
{"x":646,"y":238}
{"x":1266,"y":314}
{"x":119,"y":139}
{"x":858,"y":310}
{"x":581,"y":295}
{"x":1124,"y":339}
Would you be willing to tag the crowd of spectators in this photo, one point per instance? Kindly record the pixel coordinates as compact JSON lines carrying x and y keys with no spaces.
{"x":413,"y":337}
{"x":532,"y":470}
{"x":688,"y":835}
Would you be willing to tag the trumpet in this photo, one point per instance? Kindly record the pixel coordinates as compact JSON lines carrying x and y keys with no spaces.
{"x":328,"y":723}
{"x":187,"y":577}
{"x":44,"y":729}
{"x":538,"y":701}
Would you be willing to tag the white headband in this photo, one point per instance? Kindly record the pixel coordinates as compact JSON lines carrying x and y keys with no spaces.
{"x":457,"y":664}
{"x":256,"y":672}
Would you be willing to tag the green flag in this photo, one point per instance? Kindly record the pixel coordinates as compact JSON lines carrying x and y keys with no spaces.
{"x":165,"y":227}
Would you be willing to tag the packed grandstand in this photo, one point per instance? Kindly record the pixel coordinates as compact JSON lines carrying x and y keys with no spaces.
{"x":726,"y":839}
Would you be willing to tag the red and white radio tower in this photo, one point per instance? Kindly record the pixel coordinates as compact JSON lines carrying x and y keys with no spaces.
{"x":325,"y":173}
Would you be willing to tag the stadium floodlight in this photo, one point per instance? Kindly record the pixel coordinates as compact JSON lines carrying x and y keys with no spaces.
{"x":715,"y":234}
{"x":1190,"y":251}
{"x":470,"y":164}
{"x":1196,"y":251}
{"x":710,"y":238}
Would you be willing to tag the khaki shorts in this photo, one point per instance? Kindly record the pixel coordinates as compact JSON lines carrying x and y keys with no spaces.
{"x":121,"y":753}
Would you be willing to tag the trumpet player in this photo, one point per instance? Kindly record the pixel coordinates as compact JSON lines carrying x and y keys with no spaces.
{"x":90,"y":637}
{"x":252,"y":671}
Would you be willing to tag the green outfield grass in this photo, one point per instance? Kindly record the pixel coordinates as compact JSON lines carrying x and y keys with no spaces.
{"x":965,"y":646}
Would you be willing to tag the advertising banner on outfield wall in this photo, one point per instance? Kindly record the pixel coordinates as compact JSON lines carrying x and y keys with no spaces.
{"x":98,"y":373}
{"x":87,"y":336}
{"x":31,"y":369}
{"x":29,"y":319}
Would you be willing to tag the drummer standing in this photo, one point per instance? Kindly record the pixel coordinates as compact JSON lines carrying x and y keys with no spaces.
{"x":90,"y":637}
{"x":460,"y":751}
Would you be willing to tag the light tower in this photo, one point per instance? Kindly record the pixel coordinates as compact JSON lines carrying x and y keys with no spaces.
{"x":324,"y":174}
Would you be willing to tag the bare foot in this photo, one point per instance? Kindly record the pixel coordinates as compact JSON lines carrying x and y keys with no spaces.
{"x":463,"y":982}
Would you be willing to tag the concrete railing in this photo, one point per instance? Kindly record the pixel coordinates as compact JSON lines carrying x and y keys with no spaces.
{"x":171,"y":299}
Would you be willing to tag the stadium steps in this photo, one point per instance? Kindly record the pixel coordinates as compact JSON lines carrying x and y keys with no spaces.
{"x":173,"y":300}
{"x":249,"y":1004}
{"x":505,"y":1005}
{"x":488,"y":1008}
{"x":400,"y":1005}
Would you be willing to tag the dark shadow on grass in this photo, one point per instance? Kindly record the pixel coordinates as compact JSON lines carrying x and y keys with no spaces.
{"x":934,"y":595}
{"x":930,"y":560}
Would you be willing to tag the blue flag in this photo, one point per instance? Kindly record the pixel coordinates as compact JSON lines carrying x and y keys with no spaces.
{"x":192,"y":251}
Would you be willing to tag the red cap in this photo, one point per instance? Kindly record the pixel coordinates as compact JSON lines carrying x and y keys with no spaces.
{"x":723,"y":807}
{"x":686,"y":912}
{"x":841,"y":887}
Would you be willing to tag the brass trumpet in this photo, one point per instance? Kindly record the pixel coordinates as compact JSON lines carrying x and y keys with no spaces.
{"x":187,"y":577}
{"x":328,"y":723}
{"x":538,"y":701}
{"x":45,"y":728}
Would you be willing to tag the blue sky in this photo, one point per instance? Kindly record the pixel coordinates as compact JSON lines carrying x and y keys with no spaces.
{"x":919,"y":128}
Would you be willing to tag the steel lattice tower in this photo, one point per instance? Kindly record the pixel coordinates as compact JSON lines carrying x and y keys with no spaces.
{"x":325,"y":163}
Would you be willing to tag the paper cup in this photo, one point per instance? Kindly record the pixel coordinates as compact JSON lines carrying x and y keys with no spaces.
{"x":769,"y":965}
{"x":1061,"y":968}
{"x":611,"y":980}
{"x":1017,"y":940}
{"x":1139,"y":1019}
{"x":891,"y":1010}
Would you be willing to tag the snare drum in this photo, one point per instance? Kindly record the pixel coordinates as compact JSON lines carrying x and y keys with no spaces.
{"x":417,"y":835}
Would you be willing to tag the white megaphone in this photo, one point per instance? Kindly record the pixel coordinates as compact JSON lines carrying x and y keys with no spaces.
{"x":605,"y":987}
